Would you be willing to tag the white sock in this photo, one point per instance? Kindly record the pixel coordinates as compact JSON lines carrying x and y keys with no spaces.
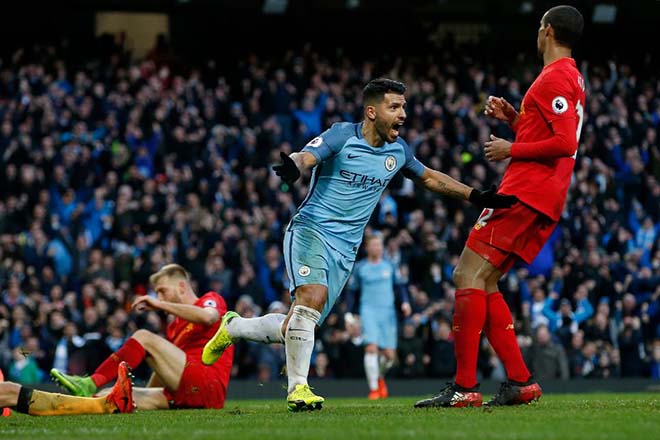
{"x":385,"y":365}
{"x":371,"y":368}
{"x":266,"y":329}
{"x":300,"y":344}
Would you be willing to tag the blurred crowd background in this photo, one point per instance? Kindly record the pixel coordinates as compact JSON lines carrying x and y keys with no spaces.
{"x":115,"y":166}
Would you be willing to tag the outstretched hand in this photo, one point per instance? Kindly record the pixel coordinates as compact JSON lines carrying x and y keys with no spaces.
{"x":499,"y":108}
{"x":144,"y":303}
{"x":490,"y":198}
{"x":287,"y":170}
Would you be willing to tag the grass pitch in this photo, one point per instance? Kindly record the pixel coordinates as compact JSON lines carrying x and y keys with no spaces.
{"x":574,"y":416}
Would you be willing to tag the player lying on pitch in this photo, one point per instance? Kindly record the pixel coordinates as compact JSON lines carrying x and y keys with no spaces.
{"x":180,"y":380}
{"x":26,"y":400}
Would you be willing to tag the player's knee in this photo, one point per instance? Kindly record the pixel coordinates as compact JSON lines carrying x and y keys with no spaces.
{"x":8,"y":393}
{"x":459,"y":276}
{"x":143,"y":336}
{"x":4,"y":388}
{"x":371,"y":348}
{"x":311,"y":297}
{"x":491,"y":287}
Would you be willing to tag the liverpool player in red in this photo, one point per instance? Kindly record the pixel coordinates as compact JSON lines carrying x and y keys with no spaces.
{"x":180,"y":380}
{"x":542,"y":159}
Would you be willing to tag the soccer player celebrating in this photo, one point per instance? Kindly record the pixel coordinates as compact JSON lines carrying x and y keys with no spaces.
{"x":542,"y":159}
{"x":352,"y":165}
{"x":376,"y":280}
{"x":179,"y":379}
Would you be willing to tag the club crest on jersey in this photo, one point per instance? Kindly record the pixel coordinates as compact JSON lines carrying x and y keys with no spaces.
{"x":390,"y":163}
{"x":559,"y":105}
{"x":304,"y":271}
{"x":315,"y":142}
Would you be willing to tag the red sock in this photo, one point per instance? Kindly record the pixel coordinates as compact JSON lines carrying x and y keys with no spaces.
{"x":502,"y":336}
{"x":132,"y":352}
{"x":469,"y":319}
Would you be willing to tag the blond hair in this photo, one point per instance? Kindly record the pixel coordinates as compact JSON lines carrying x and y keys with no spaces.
{"x":170,"y":271}
{"x":375,"y":236}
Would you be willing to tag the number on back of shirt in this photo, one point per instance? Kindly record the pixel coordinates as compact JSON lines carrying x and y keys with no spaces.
{"x":580,"y":112}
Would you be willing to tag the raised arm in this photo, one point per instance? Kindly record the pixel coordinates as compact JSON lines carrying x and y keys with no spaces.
{"x":291,"y":166}
{"x":562,"y":143}
{"x":316,"y":151}
{"x":499,"y":108}
{"x":557,"y":101}
{"x":189,"y":312}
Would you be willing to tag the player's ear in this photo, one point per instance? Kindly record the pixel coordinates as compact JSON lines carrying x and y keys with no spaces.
{"x":182,"y":287}
{"x":370,"y":112}
{"x":549,"y":31}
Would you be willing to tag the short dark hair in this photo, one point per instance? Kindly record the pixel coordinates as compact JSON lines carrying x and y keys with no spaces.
{"x":567,"y":23}
{"x":376,"y":89}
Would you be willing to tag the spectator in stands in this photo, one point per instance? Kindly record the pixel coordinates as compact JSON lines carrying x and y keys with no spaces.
{"x":546,"y":358}
{"x":631,"y":347}
{"x":565,"y":321}
{"x":442,"y":361}
{"x":655,"y":360}
{"x":410,"y":352}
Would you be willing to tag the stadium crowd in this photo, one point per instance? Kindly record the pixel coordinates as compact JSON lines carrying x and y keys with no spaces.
{"x":113,"y":168}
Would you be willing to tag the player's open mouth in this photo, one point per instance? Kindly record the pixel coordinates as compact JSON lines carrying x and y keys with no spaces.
{"x":395,"y":129}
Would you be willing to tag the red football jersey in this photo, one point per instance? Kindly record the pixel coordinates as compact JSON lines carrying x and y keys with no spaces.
{"x":547,"y":134}
{"x":191,"y":337}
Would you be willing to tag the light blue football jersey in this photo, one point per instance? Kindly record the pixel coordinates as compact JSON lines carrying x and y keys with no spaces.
{"x":376,"y":284}
{"x":347,"y":183}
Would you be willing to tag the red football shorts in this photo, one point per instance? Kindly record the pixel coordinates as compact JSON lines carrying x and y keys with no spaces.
{"x":502,"y":236}
{"x":200,"y":387}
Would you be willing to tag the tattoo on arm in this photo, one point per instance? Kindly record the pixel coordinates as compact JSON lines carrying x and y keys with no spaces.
{"x":441,"y":187}
{"x":441,"y":183}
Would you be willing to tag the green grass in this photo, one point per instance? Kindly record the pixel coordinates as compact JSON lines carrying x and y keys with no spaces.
{"x":575,"y":416}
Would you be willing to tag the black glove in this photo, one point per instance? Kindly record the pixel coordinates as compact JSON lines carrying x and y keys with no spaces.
{"x":287,"y":170}
{"x":490,"y":198}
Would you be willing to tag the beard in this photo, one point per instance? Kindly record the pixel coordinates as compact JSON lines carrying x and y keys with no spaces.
{"x":383,"y":131}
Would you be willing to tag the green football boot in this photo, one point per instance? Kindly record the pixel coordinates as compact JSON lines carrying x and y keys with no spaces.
{"x":219,"y":342}
{"x":76,"y":385}
{"x":303,"y":399}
